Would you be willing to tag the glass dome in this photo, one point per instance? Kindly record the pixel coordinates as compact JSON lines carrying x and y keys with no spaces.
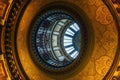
{"x":72,"y":40}
{"x":56,"y":39}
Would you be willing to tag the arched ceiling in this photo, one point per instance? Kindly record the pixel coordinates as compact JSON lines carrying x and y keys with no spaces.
{"x":103,"y":64}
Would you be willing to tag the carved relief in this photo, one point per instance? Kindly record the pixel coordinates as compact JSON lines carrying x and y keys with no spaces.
{"x":116,"y":5}
{"x":109,"y":40}
{"x":103,"y":67}
{"x":91,"y":2}
{"x":100,"y":50}
{"x":3,"y":74}
{"x":3,"y":7}
{"x":103,"y":15}
{"x":97,"y":3}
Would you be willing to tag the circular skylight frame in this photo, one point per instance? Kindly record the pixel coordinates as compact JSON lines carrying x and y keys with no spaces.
{"x":86,"y":31}
{"x":58,"y":15}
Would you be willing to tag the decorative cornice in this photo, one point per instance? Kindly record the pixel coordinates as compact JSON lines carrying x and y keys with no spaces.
{"x":4,"y":9}
{"x":115,"y":66}
{"x":11,"y":23}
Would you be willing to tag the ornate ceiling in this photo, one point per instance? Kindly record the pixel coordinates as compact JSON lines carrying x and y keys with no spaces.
{"x":102,"y":61}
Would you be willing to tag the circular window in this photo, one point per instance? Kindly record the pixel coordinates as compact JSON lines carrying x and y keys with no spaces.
{"x":56,"y":39}
{"x":59,"y":40}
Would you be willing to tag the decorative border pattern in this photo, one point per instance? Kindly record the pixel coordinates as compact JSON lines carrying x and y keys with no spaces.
{"x":68,"y":67}
{"x":115,"y":66}
{"x":10,"y":56}
{"x":3,"y":7}
{"x":9,"y":52}
{"x":116,"y":5}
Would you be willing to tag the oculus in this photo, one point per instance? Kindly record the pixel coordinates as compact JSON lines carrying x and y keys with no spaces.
{"x":56,"y":38}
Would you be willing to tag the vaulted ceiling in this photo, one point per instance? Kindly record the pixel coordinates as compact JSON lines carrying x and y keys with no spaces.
{"x":99,"y":43}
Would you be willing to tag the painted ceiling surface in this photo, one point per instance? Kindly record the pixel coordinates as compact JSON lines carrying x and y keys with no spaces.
{"x":103,"y":20}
